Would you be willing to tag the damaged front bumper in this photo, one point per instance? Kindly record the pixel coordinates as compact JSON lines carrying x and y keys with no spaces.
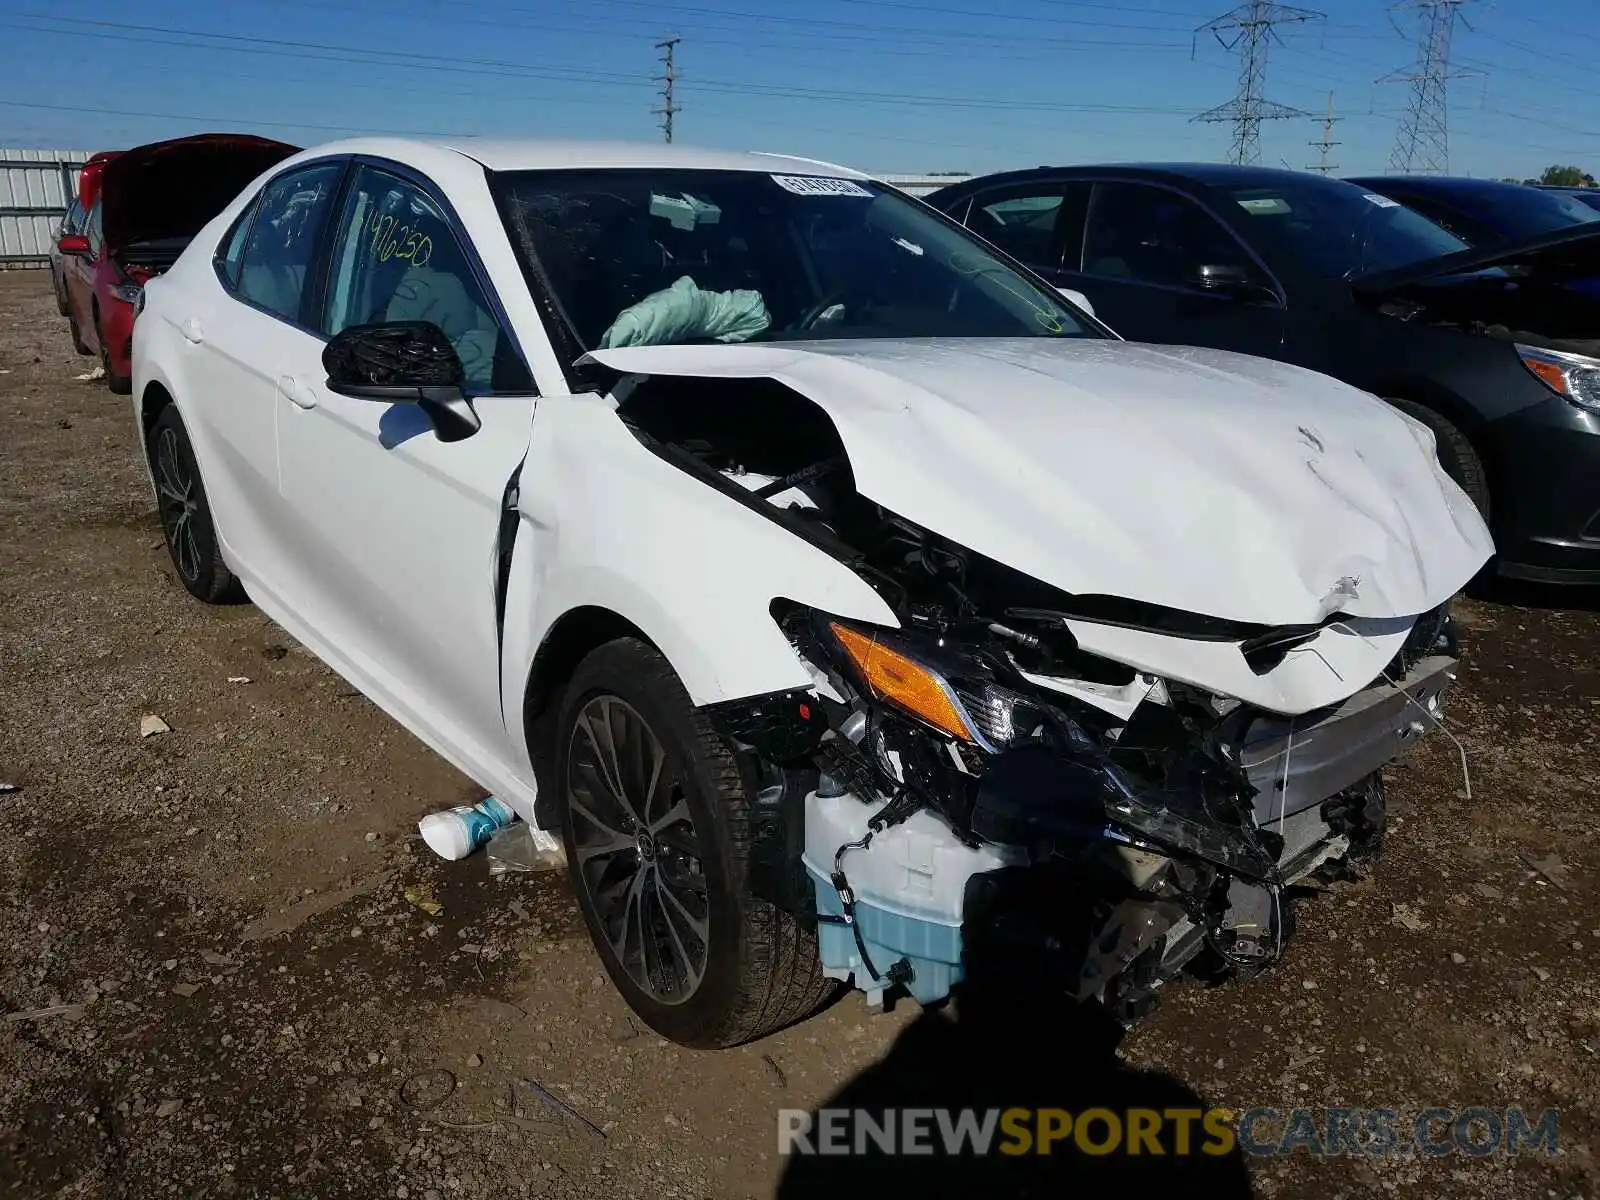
{"x":1108,"y":908}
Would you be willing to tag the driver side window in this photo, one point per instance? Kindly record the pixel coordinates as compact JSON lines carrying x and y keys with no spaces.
{"x":396,"y":258}
{"x":1146,"y":234}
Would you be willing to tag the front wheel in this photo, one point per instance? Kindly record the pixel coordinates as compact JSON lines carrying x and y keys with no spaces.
{"x":1456,"y":455}
{"x":186,"y":523}
{"x":656,"y":821}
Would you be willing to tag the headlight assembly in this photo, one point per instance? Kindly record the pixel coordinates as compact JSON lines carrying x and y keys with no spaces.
{"x":981,"y":714}
{"x":1575,"y":377}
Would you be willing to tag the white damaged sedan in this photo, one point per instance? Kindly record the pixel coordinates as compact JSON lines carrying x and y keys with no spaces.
{"x":842,"y":594}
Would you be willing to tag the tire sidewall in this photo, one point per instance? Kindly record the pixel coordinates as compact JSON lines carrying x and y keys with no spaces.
{"x":615,"y":669}
{"x":205,"y":586}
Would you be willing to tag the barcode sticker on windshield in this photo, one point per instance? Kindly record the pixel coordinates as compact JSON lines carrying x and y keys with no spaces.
{"x":1381,"y":201}
{"x":818,"y":185}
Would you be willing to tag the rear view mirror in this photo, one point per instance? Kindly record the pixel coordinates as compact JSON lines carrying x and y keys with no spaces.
{"x":403,"y":362}
{"x":73,"y":243}
{"x":1078,"y":299}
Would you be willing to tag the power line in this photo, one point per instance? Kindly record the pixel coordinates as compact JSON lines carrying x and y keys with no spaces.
{"x":1252,"y":30}
{"x":1324,"y":167}
{"x":500,"y":68}
{"x":1422,"y":145}
{"x":328,"y":52}
{"x":668,"y":109}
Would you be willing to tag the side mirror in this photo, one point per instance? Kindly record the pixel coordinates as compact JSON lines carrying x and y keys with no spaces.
{"x":403,"y":362}
{"x":1229,"y":279}
{"x":1077,"y":298}
{"x":73,"y":243}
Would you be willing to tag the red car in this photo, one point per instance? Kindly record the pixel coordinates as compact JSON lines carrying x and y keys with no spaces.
{"x":144,"y":205}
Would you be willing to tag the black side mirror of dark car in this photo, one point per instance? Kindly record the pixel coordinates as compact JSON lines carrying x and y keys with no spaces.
{"x":1229,"y":279}
{"x":403,"y":362}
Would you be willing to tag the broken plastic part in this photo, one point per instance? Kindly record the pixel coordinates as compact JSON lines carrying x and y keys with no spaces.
{"x":521,"y":847}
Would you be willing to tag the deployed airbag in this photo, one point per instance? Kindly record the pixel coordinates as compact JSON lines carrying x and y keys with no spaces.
{"x":683,"y":313}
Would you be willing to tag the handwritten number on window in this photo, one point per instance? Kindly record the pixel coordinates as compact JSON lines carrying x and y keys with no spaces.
{"x":393,"y":240}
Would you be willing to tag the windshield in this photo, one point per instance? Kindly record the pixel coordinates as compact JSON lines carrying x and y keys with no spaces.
{"x":638,"y":257}
{"x":1340,"y":231}
{"x":1522,"y":212}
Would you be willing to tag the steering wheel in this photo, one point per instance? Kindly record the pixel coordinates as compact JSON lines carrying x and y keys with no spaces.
{"x":812,"y":315}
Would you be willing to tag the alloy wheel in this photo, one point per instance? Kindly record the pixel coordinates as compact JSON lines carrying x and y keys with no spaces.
{"x":637,"y":854}
{"x":179,"y":505}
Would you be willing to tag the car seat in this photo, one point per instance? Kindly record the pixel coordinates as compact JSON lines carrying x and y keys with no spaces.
{"x":426,"y":294}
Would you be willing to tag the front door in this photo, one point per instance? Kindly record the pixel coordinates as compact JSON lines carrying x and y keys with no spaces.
{"x":396,"y":532}
{"x":1141,"y":265}
{"x":78,"y":272}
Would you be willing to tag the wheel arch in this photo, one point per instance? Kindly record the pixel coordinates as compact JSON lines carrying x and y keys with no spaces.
{"x":154,"y":400}
{"x":571,"y":638}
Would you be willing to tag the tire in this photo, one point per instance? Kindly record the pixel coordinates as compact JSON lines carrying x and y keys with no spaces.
{"x":78,"y":344}
{"x":122,"y":385}
{"x":1456,"y":455}
{"x":677,"y":877}
{"x":60,"y":285}
{"x":186,"y":522}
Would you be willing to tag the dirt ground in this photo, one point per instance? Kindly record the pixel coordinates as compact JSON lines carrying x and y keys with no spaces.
{"x":261,"y":1011}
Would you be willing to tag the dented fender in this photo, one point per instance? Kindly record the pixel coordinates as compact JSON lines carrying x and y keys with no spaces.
{"x":606,"y":523}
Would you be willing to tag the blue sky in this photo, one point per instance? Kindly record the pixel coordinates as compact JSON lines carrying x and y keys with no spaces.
{"x":890,"y":86}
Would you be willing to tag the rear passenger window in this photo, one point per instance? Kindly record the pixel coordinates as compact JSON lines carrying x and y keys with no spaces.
{"x":232,"y":251}
{"x":278,"y":248}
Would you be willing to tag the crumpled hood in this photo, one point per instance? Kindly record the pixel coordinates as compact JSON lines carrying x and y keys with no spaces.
{"x":1196,"y":479}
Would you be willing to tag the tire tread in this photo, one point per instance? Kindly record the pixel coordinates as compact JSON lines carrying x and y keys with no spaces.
{"x":779,"y":978}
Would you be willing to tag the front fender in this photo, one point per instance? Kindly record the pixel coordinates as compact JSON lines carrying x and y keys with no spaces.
{"x":607,"y":524}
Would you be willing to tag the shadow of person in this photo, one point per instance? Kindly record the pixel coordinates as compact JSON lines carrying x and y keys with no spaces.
{"x":1012,"y":1042}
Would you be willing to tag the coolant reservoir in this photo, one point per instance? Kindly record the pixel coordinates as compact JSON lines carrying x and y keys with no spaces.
{"x":909,"y":884}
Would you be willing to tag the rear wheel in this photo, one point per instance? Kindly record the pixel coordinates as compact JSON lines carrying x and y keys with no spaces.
{"x":186,"y":523}
{"x":1456,"y":455}
{"x":120,"y":384}
{"x":656,"y":822}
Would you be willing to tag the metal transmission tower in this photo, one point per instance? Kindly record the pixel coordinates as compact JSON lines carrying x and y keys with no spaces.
{"x":665,"y":79}
{"x":1422,"y":146}
{"x":1324,"y":167}
{"x":1250,"y":29}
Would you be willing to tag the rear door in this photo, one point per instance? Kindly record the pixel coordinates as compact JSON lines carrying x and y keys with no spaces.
{"x":396,"y":532}
{"x":236,"y":339}
{"x":1140,"y":263}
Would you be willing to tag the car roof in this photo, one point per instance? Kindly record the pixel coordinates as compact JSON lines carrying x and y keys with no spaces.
{"x":1439,"y":184}
{"x":550,"y":154}
{"x":1209,"y":174}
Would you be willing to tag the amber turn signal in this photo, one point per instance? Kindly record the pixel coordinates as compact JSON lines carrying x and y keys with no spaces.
{"x":903,"y":681}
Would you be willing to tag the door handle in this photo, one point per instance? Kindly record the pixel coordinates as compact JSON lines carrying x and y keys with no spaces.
{"x":297,"y":393}
{"x":191,"y":330}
